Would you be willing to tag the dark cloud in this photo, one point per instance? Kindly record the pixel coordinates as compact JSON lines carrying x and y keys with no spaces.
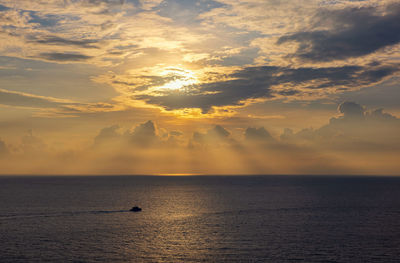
{"x":351,"y":110}
{"x":125,"y":83}
{"x":288,"y":92}
{"x":55,"y":40}
{"x":44,"y":20}
{"x":151,"y":81}
{"x":356,"y":32}
{"x":144,"y":130}
{"x":257,"y":134}
{"x":64,"y":57}
{"x":3,"y":8}
{"x":259,"y":82}
{"x":354,"y":113}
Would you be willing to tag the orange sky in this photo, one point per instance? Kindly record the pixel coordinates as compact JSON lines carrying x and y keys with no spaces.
{"x":202,"y":87}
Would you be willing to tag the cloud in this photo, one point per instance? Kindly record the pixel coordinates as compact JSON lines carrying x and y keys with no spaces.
{"x":32,"y":144}
{"x":218,"y":132}
{"x":379,"y":115}
{"x":14,"y":98}
{"x":64,"y":57}
{"x":3,"y":8}
{"x":184,"y":11}
{"x":355,"y":112}
{"x":355,"y":130}
{"x":175,"y":133}
{"x":351,"y":110}
{"x":144,"y":134}
{"x":48,"y":106}
{"x":354,"y":32}
{"x":238,"y":53}
{"x":355,"y":117}
{"x":106,"y":2}
{"x":269,"y":82}
{"x":213,"y":136}
{"x":107,"y":134}
{"x":257,"y":134}
{"x":94,"y":31}
{"x":345,"y":145}
{"x":56,"y":40}
{"x":3,"y":149}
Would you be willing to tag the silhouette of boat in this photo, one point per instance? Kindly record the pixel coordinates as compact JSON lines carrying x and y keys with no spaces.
{"x":135,"y":209}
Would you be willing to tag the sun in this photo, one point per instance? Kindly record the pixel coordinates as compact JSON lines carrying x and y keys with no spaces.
{"x":177,"y":78}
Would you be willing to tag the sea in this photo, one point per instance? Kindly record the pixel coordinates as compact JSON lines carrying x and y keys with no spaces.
{"x":199,"y":219}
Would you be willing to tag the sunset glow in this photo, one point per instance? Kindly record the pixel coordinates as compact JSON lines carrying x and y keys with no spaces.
{"x":180,"y":79}
{"x":199,"y":131}
{"x":199,"y":87}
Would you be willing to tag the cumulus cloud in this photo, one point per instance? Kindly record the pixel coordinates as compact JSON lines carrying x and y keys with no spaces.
{"x":346,"y":145}
{"x":218,"y":131}
{"x":213,"y":136}
{"x":107,"y":134}
{"x":356,"y":128}
{"x":144,"y":134}
{"x":352,"y":32}
{"x":355,"y":112}
{"x":379,"y":115}
{"x":351,"y":110}
{"x":257,"y":134}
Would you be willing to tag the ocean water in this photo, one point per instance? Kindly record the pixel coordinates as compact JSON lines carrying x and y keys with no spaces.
{"x":200,"y":219}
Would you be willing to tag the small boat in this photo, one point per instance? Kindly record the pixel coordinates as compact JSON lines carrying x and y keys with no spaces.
{"x":135,"y":209}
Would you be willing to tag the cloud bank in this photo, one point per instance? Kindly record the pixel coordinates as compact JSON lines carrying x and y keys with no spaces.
{"x":356,"y":142}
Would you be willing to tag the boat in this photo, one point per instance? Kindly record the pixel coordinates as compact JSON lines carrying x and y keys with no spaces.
{"x":135,"y":209}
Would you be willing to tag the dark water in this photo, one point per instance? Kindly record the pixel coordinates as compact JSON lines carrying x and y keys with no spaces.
{"x":192,"y":219}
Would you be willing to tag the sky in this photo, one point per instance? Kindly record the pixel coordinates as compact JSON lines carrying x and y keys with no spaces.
{"x":200,"y":87}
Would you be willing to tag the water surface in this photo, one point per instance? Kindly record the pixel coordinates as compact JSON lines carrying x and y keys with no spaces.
{"x":200,"y":218}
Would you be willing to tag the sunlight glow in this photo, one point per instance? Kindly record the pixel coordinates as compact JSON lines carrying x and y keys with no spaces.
{"x":179,"y":78}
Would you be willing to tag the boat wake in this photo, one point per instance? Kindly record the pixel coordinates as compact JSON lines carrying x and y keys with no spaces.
{"x":13,"y":216}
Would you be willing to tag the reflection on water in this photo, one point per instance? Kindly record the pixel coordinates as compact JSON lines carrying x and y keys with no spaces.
{"x":193,"y":219}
